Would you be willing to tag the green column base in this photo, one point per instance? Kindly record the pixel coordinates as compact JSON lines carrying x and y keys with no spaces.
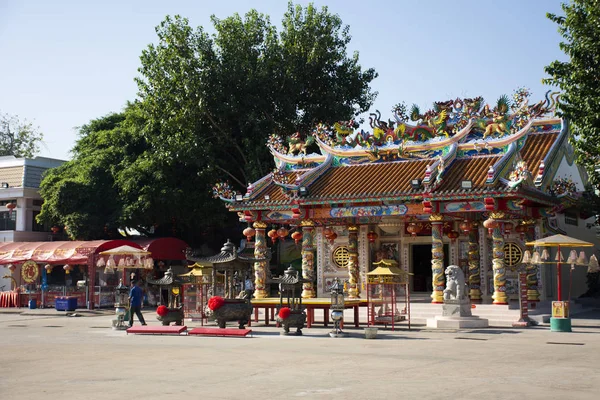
{"x":560,"y":324}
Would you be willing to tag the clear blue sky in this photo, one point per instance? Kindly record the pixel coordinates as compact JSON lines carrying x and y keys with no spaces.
{"x":66,"y":62}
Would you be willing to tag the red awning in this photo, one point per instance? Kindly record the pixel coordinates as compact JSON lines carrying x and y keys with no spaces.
{"x":72,"y":252}
{"x":168,"y":248}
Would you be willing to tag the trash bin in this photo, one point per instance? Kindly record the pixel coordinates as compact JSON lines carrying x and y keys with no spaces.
{"x":32,"y":304}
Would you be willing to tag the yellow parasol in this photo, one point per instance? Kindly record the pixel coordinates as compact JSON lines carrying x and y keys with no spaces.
{"x":559,"y":241}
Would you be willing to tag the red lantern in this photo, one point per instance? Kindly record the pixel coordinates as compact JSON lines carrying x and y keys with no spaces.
{"x":249,"y":233}
{"x":372,"y":236}
{"x":490,"y":224}
{"x":465,"y":226}
{"x":282,"y":233}
{"x":55,"y":229}
{"x":332,"y":237}
{"x":273,"y":235}
{"x":297,"y":236}
{"x":414,"y":227}
{"x":453,"y":235}
{"x":11,"y":206}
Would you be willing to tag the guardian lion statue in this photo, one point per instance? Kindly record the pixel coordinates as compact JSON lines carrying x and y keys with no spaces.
{"x":456,"y":288}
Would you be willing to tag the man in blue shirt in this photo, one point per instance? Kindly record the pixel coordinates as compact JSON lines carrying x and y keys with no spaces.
{"x":135,"y":303}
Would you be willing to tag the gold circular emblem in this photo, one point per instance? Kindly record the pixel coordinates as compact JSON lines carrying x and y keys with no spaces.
{"x":512,"y":254}
{"x":341,"y":255}
{"x":30,"y":271}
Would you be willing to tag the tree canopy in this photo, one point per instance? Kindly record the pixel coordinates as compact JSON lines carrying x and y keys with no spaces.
{"x":18,"y":138}
{"x":207,"y":104}
{"x":579,"y":79}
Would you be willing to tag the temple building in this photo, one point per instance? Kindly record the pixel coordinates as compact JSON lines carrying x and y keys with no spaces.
{"x":465,"y":183}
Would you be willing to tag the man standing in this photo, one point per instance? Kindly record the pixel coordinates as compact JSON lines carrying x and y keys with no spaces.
{"x":135,"y":303}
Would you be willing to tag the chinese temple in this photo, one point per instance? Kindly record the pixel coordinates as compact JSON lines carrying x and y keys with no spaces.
{"x":465,"y":183}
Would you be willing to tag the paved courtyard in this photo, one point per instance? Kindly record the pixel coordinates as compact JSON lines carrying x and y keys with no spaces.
{"x":49,"y":357}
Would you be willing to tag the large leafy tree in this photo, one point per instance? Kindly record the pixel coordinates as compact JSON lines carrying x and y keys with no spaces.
{"x":219,"y":96}
{"x":579,"y":79}
{"x":18,"y":138}
{"x":207,"y":104}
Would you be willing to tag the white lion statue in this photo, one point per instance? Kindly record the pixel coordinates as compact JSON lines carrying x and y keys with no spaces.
{"x":456,"y":288}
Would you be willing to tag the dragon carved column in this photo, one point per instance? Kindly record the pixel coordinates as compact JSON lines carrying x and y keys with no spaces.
{"x":531,"y":270}
{"x":308,"y":266}
{"x":474,"y":271}
{"x":437,"y":258}
{"x":260,"y":267}
{"x":353,"y":268}
{"x":498,"y":267}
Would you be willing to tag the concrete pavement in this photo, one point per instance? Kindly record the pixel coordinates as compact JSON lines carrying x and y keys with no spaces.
{"x":60,"y":357}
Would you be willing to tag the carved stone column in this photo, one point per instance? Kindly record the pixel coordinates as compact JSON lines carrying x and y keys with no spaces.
{"x":474,"y":270}
{"x":353,"y":268}
{"x":531,"y":270}
{"x":260,"y":267}
{"x":308,"y":265}
{"x":437,"y":259}
{"x":498,"y":267}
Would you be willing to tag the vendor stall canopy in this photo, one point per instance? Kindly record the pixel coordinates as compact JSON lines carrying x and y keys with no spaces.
{"x":62,"y":252}
{"x":77,"y":252}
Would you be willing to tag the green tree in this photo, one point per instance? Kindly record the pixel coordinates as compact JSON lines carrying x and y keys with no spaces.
{"x":18,"y":138}
{"x":220,"y":96}
{"x":579,"y":79}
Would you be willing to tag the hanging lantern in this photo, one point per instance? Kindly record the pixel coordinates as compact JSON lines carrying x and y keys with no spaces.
{"x":273,"y":235}
{"x":55,"y":229}
{"x":67,"y":269}
{"x":48,"y":268}
{"x":414,"y":228}
{"x":11,"y":267}
{"x":545,"y":255}
{"x":282,"y":233}
{"x":297,"y":236}
{"x":508,"y":226}
{"x":521,"y":229}
{"x":122,"y":263}
{"x":453,"y":235}
{"x":332,"y":237}
{"x":465,"y":226}
{"x":490,"y":224}
{"x":111,"y":262}
{"x":11,"y":206}
{"x":249,"y":233}
{"x":100,"y":263}
{"x":372,"y":236}
{"x":149,"y":263}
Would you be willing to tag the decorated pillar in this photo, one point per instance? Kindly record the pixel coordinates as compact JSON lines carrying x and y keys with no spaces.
{"x":437,"y":258}
{"x":353,"y":268}
{"x":498,"y":267}
{"x":260,"y":267}
{"x":531,"y":270}
{"x":474,"y":270}
{"x":308,"y":265}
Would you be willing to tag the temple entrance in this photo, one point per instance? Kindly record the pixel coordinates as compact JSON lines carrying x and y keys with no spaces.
{"x":421,"y":266}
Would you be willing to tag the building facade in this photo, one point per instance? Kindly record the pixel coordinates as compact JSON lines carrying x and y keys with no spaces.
{"x":467,"y":184}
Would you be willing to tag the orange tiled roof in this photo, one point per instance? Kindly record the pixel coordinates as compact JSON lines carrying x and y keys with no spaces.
{"x":360,"y":181}
{"x":472,"y":169}
{"x":536,"y":148}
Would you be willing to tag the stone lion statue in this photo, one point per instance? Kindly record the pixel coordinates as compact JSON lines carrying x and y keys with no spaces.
{"x":456,"y":288}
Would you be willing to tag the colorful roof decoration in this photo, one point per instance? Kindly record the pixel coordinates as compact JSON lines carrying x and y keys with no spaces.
{"x":458,"y":148}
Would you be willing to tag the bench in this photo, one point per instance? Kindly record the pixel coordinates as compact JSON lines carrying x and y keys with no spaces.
{"x":220,"y":332}
{"x":157,"y":330}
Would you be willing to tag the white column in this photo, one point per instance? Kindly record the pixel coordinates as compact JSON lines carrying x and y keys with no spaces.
{"x":21,"y":214}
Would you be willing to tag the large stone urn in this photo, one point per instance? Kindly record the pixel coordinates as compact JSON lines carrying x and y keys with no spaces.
{"x":296,"y":319}
{"x":172,"y":315}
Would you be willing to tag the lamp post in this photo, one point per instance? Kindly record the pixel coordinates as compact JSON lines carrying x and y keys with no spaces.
{"x":337,"y":308}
